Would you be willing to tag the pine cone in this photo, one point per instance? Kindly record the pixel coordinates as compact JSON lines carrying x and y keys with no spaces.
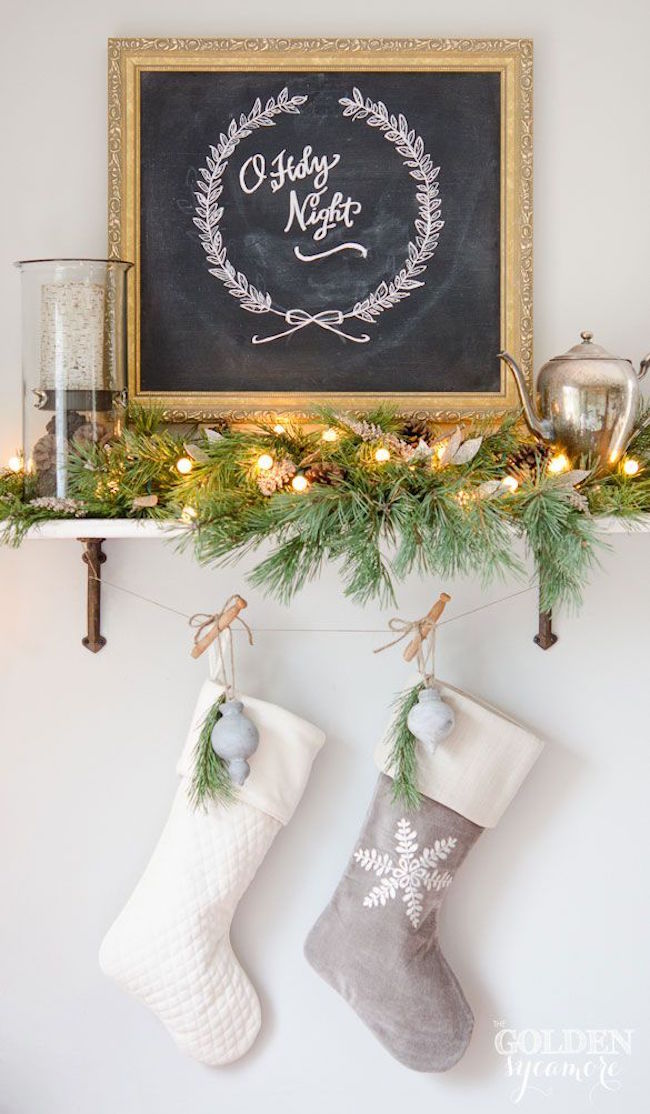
{"x":73,"y":421}
{"x":91,"y":433}
{"x":276,"y":477}
{"x":44,"y":453}
{"x":369,"y":432}
{"x":46,"y":481}
{"x":524,"y":464}
{"x":365,"y":430}
{"x":414,"y":431}
{"x":324,"y":472}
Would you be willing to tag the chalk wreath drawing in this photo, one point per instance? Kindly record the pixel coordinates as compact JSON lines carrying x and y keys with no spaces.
{"x":421,"y":247}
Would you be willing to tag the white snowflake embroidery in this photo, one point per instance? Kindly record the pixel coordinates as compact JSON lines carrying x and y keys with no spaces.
{"x":411,"y":873}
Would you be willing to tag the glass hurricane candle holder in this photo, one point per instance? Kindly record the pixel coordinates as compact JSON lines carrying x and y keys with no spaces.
{"x":74,"y":361}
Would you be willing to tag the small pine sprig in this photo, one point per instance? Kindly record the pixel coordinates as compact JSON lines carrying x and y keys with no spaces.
{"x":560,"y":536}
{"x":15,"y":485}
{"x":144,"y":420}
{"x":210,"y":778}
{"x":402,"y":757}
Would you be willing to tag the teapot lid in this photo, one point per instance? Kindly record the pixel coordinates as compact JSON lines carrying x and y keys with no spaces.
{"x":587,"y":350}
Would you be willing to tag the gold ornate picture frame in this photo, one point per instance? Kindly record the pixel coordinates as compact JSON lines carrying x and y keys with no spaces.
{"x":148,"y":93}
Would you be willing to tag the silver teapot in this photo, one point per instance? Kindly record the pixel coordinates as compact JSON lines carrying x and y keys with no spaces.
{"x":587,"y":400}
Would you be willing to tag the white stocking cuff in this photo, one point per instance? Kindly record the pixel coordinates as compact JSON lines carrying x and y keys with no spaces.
{"x":478,"y":769}
{"x":280,"y":766}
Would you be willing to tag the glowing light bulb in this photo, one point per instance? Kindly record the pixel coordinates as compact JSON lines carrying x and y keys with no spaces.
{"x":14,"y":463}
{"x":558,"y":463}
{"x":631,"y":467}
{"x":189,"y":514}
{"x":382,"y":455}
{"x":265,"y":462}
{"x":184,"y":465}
{"x":510,"y":482}
{"x":279,"y":428}
{"x":329,"y":435}
{"x":300,"y":482}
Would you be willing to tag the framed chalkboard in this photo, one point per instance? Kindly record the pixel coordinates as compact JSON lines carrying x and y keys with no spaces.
{"x":312,"y":221}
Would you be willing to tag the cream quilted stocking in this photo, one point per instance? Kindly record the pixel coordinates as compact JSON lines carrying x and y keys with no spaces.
{"x":170,"y":945}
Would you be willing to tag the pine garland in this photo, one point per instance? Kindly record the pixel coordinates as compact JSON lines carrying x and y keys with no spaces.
{"x":449,"y":505}
{"x":210,"y":778}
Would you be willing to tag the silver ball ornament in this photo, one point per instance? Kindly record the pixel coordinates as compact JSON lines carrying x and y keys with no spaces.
{"x":235,"y":738}
{"x":431,"y":720}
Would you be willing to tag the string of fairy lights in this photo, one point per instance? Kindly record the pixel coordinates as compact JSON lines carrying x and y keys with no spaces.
{"x":556,"y":465}
{"x":299,"y":483}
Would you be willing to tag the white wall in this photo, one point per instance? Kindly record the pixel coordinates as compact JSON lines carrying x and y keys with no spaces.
{"x":546,"y":925}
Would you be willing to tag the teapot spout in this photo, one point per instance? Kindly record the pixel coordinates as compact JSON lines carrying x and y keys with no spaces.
{"x":539,"y":425}
{"x":644,"y":366}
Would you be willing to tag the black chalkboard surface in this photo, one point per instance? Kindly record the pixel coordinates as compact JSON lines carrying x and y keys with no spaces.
{"x":320,"y":232}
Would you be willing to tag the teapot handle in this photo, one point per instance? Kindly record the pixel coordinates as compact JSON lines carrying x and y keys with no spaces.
{"x":644,"y":366}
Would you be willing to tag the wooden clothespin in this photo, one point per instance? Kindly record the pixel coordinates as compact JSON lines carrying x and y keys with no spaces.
{"x":213,"y":625}
{"x":425,"y":626}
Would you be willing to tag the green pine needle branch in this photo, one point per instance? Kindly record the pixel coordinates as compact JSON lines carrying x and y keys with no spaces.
{"x":210,"y":778}
{"x":402,"y":757}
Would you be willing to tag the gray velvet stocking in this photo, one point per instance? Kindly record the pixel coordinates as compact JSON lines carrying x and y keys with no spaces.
{"x":376,"y":942}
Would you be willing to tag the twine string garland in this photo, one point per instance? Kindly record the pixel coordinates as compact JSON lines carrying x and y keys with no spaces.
{"x":308,"y":630}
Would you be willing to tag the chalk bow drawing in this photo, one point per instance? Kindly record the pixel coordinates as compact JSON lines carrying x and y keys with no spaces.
{"x":387,"y":294}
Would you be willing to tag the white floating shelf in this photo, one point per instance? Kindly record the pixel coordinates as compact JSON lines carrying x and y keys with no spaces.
{"x":103,"y":528}
{"x":620,"y":526}
{"x":146,"y":528}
